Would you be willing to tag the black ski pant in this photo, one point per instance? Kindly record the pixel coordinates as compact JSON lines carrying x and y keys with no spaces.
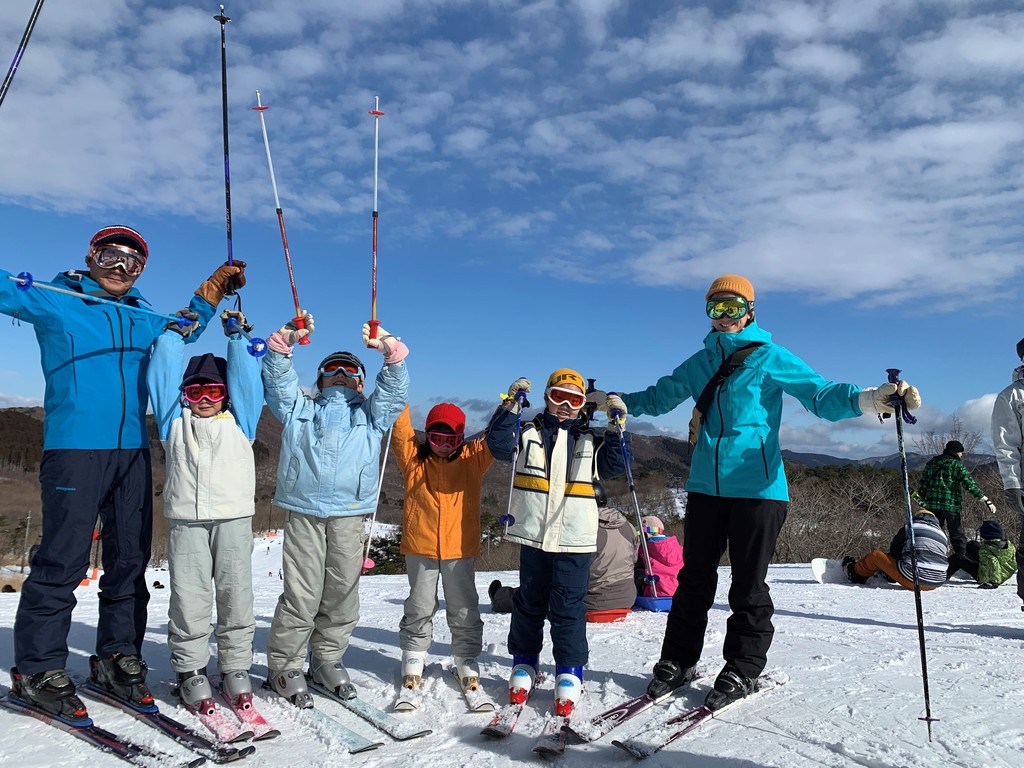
{"x":77,"y":487}
{"x":953,"y":521}
{"x":748,"y":529}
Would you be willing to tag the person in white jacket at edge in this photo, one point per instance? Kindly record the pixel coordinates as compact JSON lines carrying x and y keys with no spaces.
{"x":206,"y":419}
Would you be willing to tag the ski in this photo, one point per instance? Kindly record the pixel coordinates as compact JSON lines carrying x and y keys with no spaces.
{"x":553,"y":735}
{"x":226,"y":730}
{"x":399,"y":730}
{"x":663,"y":731}
{"x":170,"y":727}
{"x":105,"y":741}
{"x":476,"y":698}
{"x":409,"y":699}
{"x":353,"y":742}
{"x":504,"y":721}
{"x":246,"y":712}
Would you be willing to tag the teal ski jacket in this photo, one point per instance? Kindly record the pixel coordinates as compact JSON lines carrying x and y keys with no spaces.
{"x":737,"y":453}
{"x":94,"y":359}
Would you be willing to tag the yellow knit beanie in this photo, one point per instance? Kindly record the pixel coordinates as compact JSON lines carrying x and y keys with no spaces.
{"x":564,"y":376}
{"x":732,"y":284}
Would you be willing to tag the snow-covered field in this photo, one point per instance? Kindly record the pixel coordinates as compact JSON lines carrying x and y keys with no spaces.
{"x":853,"y":696}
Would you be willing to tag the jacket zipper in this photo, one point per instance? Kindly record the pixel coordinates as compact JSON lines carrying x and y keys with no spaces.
{"x":120,"y":370}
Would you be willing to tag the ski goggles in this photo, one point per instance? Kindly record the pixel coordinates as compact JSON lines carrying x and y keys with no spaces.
{"x":112,"y":256}
{"x":212,"y":392}
{"x":652,"y":531}
{"x":734,"y":308}
{"x":570,"y":397}
{"x":336,"y":367}
{"x":445,"y":439}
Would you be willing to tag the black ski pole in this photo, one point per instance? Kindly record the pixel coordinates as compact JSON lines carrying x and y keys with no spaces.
{"x":21,"y":50}
{"x":650,"y":577}
{"x":903,"y":414}
{"x":224,"y":111}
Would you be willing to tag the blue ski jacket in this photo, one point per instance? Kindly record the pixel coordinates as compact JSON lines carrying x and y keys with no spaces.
{"x":330,"y":448}
{"x":94,"y":359}
{"x":737,"y":453}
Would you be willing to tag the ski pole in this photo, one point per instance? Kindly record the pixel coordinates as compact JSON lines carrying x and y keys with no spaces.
{"x":21,"y":49}
{"x":650,"y":577}
{"x":25,"y":281}
{"x":224,"y":113}
{"x":368,"y":562}
{"x":508,"y":518}
{"x":374,"y":323}
{"x":300,"y":322}
{"x":903,"y":414}
{"x":257,"y":346}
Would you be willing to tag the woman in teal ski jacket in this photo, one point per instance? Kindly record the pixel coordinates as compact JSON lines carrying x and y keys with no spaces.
{"x":737,"y":493}
{"x":737,"y":450}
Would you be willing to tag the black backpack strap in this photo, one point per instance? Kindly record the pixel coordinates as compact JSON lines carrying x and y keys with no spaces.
{"x":732,"y":363}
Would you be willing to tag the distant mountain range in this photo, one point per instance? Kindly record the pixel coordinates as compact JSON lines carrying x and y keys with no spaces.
{"x":891,"y":461}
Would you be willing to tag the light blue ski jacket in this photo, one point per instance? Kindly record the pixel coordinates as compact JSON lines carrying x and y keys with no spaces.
{"x":737,"y":453}
{"x":330,"y":448}
{"x":94,"y":359}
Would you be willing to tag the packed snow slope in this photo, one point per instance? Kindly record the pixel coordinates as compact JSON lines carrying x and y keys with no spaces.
{"x":853,"y":697}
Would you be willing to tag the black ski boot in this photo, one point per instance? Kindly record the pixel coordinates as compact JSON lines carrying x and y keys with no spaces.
{"x":669,"y":675}
{"x":730,"y":686}
{"x":52,"y":692}
{"x":123,"y":677}
{"x":851,"y":574}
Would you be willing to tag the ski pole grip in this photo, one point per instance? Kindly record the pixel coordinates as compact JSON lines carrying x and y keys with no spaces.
{"x":374,"y":325}
{"x":300,"y":323}
{"x":896,"y":401}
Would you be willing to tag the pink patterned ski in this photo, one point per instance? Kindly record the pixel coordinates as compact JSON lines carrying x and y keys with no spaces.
{"x":246,"y":711}
{"x":227,"y":730}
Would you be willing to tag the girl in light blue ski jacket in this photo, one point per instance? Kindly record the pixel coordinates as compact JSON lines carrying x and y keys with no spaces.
{"x":737,"y":452}
{"x":330,"y":448}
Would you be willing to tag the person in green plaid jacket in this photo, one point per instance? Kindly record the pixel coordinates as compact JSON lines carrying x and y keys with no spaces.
{"x":941,"y":490}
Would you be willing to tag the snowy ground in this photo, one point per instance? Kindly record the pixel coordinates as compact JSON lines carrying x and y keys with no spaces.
{"x":853,"y":697}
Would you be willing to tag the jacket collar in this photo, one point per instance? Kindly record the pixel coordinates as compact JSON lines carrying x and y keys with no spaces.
{"x":352,"y":397}
{"x":725,"y":344}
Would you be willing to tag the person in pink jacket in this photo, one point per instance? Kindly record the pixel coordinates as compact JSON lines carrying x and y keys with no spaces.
{"x":666,"y":555}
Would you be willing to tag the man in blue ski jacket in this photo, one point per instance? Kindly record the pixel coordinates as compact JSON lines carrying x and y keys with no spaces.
{"x":95,"y":463}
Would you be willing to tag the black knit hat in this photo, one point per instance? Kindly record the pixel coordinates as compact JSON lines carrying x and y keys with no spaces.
{"x":954,"y":446}
{"x":206,"y":367}
{"x":991,"y":529}
{"x":1020,"y":349}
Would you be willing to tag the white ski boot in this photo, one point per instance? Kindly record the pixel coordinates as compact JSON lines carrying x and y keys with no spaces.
{"x":468,"y":671}
{"x":524,"y":675}
{"x":333,"y":676}
{"x":413,"y":663}
{"x":195,"y":692}
{"x":291,"y":685}
{"x":237,"y":688}
{"x":568,"y":689}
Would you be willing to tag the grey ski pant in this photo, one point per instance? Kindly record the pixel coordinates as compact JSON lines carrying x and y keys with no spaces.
{"x":319,"y":608}
{"x":462,"y":604}
{"x":210,"y":561}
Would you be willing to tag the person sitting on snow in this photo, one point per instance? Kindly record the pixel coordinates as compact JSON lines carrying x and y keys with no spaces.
{"x":666,"y":555}
{"x":992,"y":561}
{"x":930,"y":546}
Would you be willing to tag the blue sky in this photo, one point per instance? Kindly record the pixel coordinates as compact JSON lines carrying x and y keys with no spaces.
{"x":560,"y":180}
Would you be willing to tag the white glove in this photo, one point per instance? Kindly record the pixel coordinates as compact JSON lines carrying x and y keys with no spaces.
{"x":292,"y":333}
{"x":519,"y":385}
{"x":876,"y":399}
{"x":613,"y":403}
{"x":909,"y":394}
{"x":991,"y":507}
{"x":382,"y":341}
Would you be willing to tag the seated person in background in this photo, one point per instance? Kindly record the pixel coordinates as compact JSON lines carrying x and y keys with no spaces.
{"x":992,"y":561}
{"x":611,"y":592}
{"x":666,"y":555}
{"x":930,"y":545}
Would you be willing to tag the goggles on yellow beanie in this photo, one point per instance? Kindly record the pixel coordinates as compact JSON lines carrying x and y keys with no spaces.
{"x":732,"y":284}
{"x":564,"y":376}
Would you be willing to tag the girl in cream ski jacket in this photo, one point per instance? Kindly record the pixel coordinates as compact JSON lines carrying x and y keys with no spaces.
{"x":207,"y":422}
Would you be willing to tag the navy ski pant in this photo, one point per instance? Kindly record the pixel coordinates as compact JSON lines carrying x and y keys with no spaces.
{"x":77,"y":487}
{"x":748,"y":529}
{"x":553,"y":586}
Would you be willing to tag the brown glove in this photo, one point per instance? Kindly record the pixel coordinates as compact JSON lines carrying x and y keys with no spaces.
{"x":226,"y":279}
